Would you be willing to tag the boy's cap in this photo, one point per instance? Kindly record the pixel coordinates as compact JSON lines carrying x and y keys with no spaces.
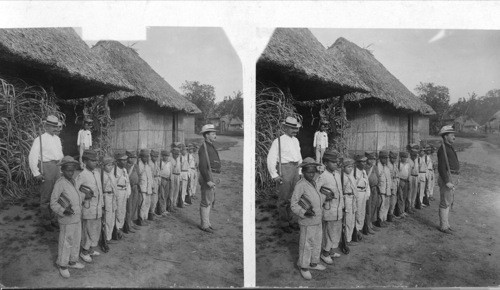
{"x":90,"y":154}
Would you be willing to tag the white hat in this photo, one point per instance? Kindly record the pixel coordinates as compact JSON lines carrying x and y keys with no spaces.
{"x":51,"y":120}
{"x":446,"y":129}
{"x":291,"y":122}
{"x":208,"y":128}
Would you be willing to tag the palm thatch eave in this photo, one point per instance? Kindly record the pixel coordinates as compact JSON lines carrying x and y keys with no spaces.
{"x":59,"y":58}
{"x":383,"y":85}
{"x":147,"y":82}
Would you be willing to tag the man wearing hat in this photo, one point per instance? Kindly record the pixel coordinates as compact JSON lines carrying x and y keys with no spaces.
{"x":66,"y":202}
{"x":165,"y":171}
{"x":330,"y":185}
{"x":350,"y":193}
{"x":374,"y":200}
{"x":283,"y":169}
{"x":414,"y":168}
{"x":89,"y":183}
{"x":154,"y":163}
{"x":404,"y":169}
{"x":123,"y":190}
{"x":44,"y":155}
{"x":145,"y":183}
{"x":175,"y":180}
{"x":422,"y":176}
{"x":362,"y":193}
{"x":393,"y":199}
{"x":84,"y":140}
{"x":135,"y":200}
{"x":321,"y":141}
{"x":448,"y":169}
{"x":429,"y":181}
{"x":210,"y":168}
{"x":185,"y":200}
{"x":307,"y":203}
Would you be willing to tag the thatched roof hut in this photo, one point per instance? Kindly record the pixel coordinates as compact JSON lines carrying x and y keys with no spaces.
{"x":383,"y":85}
{"x":57,"y":58}
{"x":148,"y":83}
{"x":296,"y":60}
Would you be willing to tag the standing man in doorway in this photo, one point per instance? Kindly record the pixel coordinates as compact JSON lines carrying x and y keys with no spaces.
{"x":210,"y":168}
{"x":45,"y":154}
{"x":448,"y":168}
{"x":282,"y":160}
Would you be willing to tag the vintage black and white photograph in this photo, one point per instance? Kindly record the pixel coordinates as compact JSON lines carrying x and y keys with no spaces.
{"x":121,"y":162}
{"x":377,"y":154}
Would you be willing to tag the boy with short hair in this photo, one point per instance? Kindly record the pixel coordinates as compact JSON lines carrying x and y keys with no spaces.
{"x":155,"y":169}
{"x":123,"y":192}
{"x":350,"y":192}
{"x":175,"y":180}
{"x":89,"y":183}
{"x":306,"y":202}
{"x":165,"y":172}
{"x":184,"y":200}
{"x":66,"y":202}
{"x":404,"y":184}
{"x":109,"y":191}
{"x":145,"y":183}
{"x":329,"y":184}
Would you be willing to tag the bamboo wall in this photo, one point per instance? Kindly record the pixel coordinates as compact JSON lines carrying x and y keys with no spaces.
{"x":144,"y":125}
{"x":375,"y":128}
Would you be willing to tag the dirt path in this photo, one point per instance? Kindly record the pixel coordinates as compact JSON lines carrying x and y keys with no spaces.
{"x":171,"y":252}
{"x":427,"y":258}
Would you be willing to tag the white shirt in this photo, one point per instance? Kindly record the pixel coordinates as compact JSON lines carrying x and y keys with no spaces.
{"x":51,"y":151}
{"x":429,"y":162}
{"x":166,"y":169}
{"x":290,"y":152}
{"x":404,"y":170}
{"x":85,"y":138}
{"x":320,"y":139}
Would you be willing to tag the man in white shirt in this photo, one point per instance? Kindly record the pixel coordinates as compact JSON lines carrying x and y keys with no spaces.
{"x":84,"y":140}
{"x":285,"y":151}
{"x":44,"y":155}
{"x":430,"y":181}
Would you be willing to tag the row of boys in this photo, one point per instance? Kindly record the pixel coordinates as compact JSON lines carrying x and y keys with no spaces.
{"x":367,"y":194}
{"x":120,"y":196}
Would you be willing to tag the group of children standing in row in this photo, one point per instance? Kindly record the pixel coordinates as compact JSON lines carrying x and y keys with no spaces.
{"x":366,"y":192}
{"x":120,"y":196}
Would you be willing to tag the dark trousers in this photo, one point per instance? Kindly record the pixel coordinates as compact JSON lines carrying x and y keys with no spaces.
{"x":290,"y":176}
{"x":403,"y":189}
{"x":51,"y":172}
{"x":133,"y":204}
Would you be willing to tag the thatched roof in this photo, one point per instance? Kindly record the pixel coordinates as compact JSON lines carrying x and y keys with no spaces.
{"x":495,"y":116}
{"x":383,"y":85}
{"x":58,"y":58}
{"x":471,"y":123}
{"x":295,"y":58}
{"x":236,"y":121}
{"x":148,"y":83}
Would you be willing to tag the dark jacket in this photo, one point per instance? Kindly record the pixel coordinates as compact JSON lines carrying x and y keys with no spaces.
{"x":213,"y":156}
{"x":452,"y":159}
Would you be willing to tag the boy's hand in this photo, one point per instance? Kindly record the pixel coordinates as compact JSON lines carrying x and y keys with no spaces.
{"x":68,"y":211}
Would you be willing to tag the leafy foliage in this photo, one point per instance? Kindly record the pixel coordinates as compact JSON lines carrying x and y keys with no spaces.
{"x":438,"y":97}
{"x":231,"y":105}
{"x":203,"y":96}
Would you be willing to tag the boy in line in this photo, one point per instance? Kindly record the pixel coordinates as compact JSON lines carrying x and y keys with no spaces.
{"x":155,"y":169}
{"x":145,"y":184}
{"x":175,"y":180}
{"x":306,"y":202}
{"x":66,"y":202}
{"x":165,"y":172}
{"x":123,"y":191}
{"x":109,"y":191}
{"x":329,"y":184}
{"x":89,"y":183}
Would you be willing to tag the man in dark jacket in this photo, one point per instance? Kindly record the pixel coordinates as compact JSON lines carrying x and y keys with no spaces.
{"x":448,"y":168}
{"x":209,"y":167}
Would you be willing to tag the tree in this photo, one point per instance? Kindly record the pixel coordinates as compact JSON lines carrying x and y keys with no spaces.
{"x":203,"y":96}
{"x":438,"y":97}
{"x":231,"y":105}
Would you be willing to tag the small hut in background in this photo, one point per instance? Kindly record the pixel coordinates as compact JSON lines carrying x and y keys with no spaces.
{"x":296,"y":62}
{"x":465,"y":124}
{"x":389,"y":116}
{"x":493,"y":124}
{"x":154,"y":114}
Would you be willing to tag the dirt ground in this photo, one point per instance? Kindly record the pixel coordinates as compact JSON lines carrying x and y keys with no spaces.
{"x":171,"y":252}
{"x":411,"y":252}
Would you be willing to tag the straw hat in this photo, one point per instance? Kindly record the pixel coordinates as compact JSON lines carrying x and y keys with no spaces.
{"x":347,"y":162}
{"x":107,"y":160}
{"x":144,"y":152}
{"x":383,"y":154}
{"x":291,"y":122}
{"x":393,"y":154}
{"x":370,"y":155}
{"x":131,"y":153}
{"x":331,"y":155}
{"x":51,"y":120}
{"x":121,"y":156}
{"x":360,"y":158}
{"x":446,"y":129}
{"x":165,"y":153}
{"x":155,"y":153}
{"x":208,"y":128}
{"x":403,"y":154}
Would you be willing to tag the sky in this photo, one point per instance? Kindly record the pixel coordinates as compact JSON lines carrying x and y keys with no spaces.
{"x":465,"y":61}
{"x":193,"y":54}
